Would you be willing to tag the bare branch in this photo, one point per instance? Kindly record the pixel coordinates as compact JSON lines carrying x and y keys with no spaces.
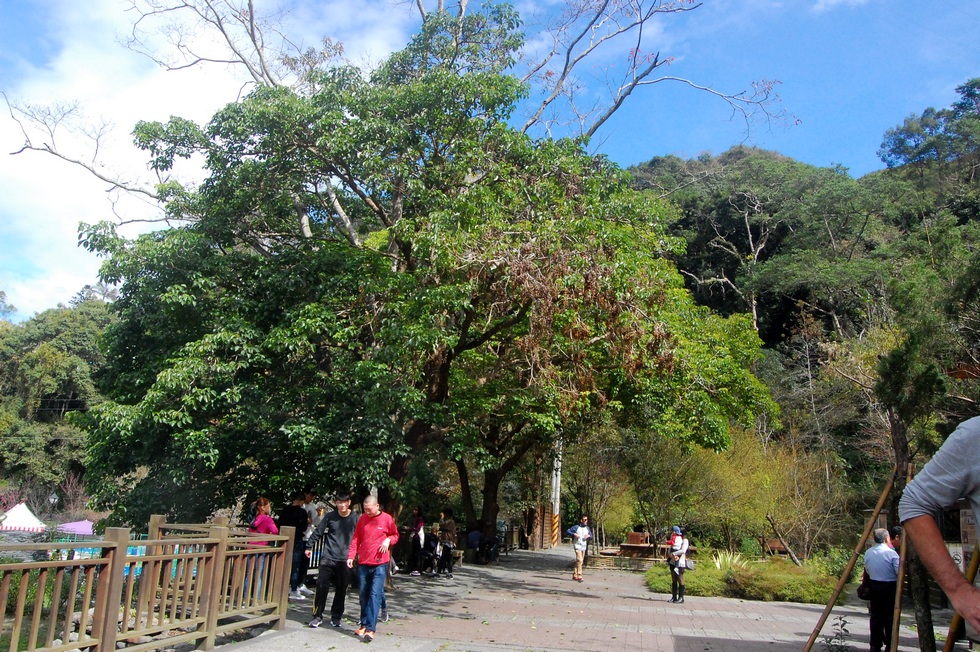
{"x":236,"y":22}
{"x":51,"y":119}
{"x":581,"y":31}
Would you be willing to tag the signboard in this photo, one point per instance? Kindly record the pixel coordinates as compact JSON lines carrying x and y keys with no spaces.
{"x":968,"y":528}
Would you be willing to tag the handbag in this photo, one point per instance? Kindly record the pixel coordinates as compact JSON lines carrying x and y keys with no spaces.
{"x":689,"y":564}
{"x":864,"y":588}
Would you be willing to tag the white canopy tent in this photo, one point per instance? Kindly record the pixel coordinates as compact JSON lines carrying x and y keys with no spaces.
{"x":21,"y":518}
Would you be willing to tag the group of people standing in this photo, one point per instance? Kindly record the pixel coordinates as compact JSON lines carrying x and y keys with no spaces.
{"x":349,"y":539}
{"x":432,"y":552}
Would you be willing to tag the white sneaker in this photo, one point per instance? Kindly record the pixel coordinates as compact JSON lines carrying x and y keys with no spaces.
{"x":296,"y":595}
{"x":305,"y":591}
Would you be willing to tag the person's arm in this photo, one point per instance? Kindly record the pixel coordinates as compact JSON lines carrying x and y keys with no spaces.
{"x":392,"y":532}
{"x":354,"y":542}
{"x":928,"y":540}
{"x":317,"y":533}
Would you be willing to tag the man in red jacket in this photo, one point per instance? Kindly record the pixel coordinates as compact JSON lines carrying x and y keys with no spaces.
{"x":374,"y":536}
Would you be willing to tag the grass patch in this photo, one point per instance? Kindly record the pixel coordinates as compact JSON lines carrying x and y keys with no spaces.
{"x":706,"y":580}
{"x":774,"y":580}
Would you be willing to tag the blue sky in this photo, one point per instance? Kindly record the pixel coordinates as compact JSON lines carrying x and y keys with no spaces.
{"x":847,"y":71}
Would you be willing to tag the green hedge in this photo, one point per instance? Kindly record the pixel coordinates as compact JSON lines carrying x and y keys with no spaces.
{"x":773,"y":581}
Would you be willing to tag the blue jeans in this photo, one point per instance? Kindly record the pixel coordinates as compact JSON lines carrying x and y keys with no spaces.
{"x":296,"y":575}
{"x":372,"y":589}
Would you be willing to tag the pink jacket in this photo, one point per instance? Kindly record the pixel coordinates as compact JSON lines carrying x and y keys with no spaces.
{"x":263,"y":525}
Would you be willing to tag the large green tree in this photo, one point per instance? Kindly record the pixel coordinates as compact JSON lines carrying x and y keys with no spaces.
{"x":47,"y":364}
{"x":378,"y":266}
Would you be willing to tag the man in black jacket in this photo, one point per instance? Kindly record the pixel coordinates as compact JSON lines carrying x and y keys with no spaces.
{"x":338,"y":526}
{"x":295,"y":516}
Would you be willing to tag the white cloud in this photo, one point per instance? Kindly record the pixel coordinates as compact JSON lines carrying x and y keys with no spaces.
{"x":44,"y":198}
{"x":829,"y":5}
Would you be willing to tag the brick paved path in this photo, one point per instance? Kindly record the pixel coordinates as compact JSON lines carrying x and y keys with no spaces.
{"x":529,"y":602}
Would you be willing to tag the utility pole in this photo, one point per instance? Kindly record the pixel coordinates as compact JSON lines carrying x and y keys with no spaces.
{"x":556,"y":497}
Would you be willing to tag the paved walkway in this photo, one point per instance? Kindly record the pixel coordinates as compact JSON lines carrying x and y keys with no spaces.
{"x":528,"y":602}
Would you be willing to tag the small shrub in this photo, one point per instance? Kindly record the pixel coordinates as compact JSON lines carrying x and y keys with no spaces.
{"x":705,"y":581}
{"x":727,"y":561}
{"x":750,"y":547}
{"x":783,"y":582}
{"x":833,"y":561}
{"x":838,"y":642}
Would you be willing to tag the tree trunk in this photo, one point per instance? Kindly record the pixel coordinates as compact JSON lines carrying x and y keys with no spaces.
{"x":918,"y":577}
{"x":492,"y":478}
{"x":467,"y":496}
{"x":779,"y":535}
{"x":919,"y":589}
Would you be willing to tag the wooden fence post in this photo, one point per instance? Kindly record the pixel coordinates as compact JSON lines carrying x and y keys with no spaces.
{"x":108,"y":600}
{"x":156,"y":522}
{"x":214,"y":590}
{"x":285,"y":568}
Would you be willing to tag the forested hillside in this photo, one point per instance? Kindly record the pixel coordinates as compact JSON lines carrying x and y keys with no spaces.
{"x":48,"y":366}
{"x":864,"y":291}
{"x":381,"y":281}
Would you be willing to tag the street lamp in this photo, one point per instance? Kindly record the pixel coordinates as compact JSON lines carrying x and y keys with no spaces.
{"x":53,"y":500}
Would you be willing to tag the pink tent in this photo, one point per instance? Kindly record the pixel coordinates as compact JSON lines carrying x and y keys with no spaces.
{"x":77,"y":527}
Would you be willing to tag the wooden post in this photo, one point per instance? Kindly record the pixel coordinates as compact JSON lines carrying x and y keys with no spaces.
{"x":850,"y":565}
{"x":285,"y":567}
{"x":971,"y":574}
{"x":897,"y":615}
{"x":157,"y":521}
{"x":151,"y":576}
{"x":108,"y":601}
{"x":214,"y":589}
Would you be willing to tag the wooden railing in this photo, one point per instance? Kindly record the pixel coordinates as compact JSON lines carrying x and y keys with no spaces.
{"x":186,"y":583}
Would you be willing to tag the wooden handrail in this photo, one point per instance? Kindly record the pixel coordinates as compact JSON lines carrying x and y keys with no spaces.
{"x":184,"y":582}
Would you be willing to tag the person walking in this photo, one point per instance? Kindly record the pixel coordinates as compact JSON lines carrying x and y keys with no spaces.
{"x":310,"y":507}
{"x":447,"y":537}
{"x":295,"y":515}
{"x":374,"y":536}
{"x":677,"y":563}
{"x":417,"y":531}
{"x":881,"y":562}
{"x":338,"y":528}
{"x":580,"y":542}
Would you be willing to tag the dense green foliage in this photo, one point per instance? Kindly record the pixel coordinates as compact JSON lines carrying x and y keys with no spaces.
{"x":774,"y":581}
{"x":379,"y":268}
{"x":47,"y":366}
{"x":863,"y":292}
{"x":381,"y":283}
